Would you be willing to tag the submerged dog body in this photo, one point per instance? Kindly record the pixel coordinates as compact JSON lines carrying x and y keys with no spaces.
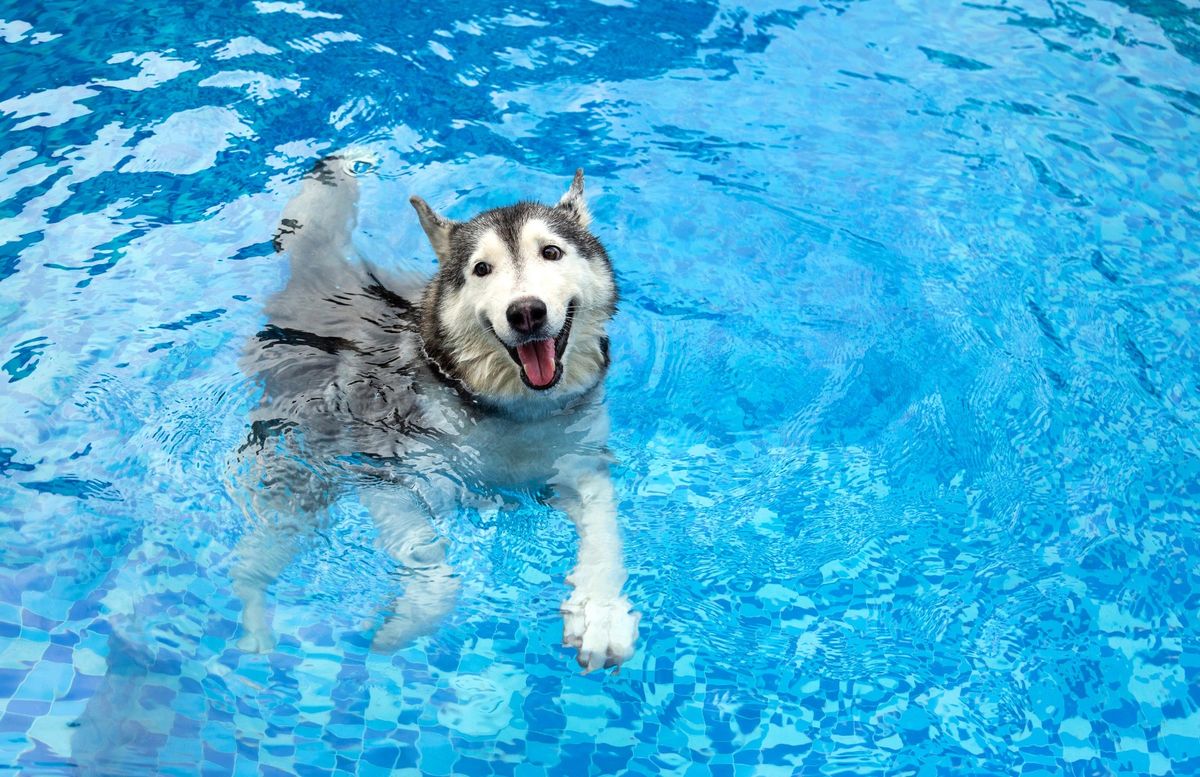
{"x":418,"y":395}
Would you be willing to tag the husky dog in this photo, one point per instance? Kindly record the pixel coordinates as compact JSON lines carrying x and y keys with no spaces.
{"x":417,"y":396}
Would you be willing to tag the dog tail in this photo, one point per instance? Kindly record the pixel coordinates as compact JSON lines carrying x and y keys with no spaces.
{"x":316,"y":225}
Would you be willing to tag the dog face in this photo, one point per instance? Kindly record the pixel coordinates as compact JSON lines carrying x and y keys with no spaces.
{"x":518,"y":308}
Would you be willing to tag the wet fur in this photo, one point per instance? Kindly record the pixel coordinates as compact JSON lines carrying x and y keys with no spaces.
{"x":414,"y":406}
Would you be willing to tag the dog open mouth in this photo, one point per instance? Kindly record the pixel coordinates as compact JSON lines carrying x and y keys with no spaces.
{"x":541,"y":360}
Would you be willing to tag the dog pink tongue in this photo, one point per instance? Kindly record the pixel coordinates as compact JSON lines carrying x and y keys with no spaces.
{"x":538,"y":360}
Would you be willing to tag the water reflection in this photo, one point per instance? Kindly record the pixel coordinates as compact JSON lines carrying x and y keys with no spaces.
{"x":903,"y":386}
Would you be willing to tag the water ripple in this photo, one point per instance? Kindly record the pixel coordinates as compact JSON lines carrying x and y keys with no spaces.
{"x":904,"y":389}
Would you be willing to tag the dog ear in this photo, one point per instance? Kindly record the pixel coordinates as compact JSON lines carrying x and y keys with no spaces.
{"x":437,"y":227}
{"x":572,"y":202}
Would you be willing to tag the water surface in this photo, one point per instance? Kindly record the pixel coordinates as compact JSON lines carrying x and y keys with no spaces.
{"x":905,"y":386}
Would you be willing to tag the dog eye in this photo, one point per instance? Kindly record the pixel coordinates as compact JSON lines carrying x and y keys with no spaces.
{"x":481,"y":269}
{"x":553,"y":253}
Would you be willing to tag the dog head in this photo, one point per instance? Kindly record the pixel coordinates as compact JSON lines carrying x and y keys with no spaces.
{"x":518,"y":308}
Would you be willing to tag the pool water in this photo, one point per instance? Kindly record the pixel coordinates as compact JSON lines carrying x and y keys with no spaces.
{"x":905,"y":385}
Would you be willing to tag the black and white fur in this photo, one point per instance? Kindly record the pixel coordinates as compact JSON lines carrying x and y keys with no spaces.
{"x":412,"y":396}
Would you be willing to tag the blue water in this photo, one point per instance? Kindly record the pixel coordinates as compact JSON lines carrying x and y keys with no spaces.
{"x":905,"y":385}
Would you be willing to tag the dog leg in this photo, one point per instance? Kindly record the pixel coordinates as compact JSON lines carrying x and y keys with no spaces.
{"x":598,"y":620}
{"x":283,"y":501}
{"x":316,"y":225}
{"x":431,"y":587}
{"x":261,"y":556}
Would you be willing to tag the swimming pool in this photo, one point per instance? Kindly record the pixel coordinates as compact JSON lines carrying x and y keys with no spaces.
{"x":904,"y":391}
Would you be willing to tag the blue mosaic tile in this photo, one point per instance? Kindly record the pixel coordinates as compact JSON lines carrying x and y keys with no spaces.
{"x":903,"y":387}
{"x":15,"y":723}
{"x":271,"y":771}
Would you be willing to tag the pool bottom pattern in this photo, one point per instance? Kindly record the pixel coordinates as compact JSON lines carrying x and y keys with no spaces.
{"x":903,"y":389}
{"x":136,"y":678}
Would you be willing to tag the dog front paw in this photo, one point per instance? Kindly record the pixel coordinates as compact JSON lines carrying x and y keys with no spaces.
{"x":603,"y":630}
{"x":257,"y":636}
{"x":397,"y":632}
{"x":257,"y":641}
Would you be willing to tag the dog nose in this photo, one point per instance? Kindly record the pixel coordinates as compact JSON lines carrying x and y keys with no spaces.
{"x":527,"y":315}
